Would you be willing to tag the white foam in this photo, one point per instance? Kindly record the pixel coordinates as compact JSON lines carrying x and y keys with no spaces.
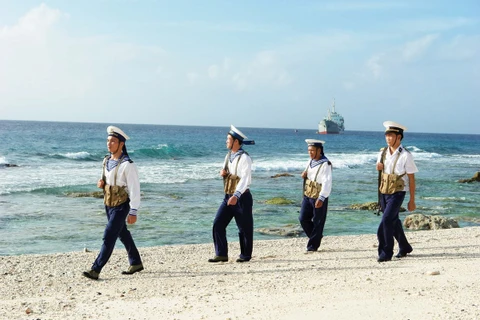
{"x":76,"y":155}
{"x":445,"y":198}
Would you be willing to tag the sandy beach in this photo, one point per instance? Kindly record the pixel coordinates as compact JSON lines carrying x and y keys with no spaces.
{"x":439,"y":280}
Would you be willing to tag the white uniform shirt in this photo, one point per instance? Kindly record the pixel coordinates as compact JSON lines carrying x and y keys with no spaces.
{"x":324,"y":177}
{"x":243,"y":171}
{"x":405,"y":163}
{"x":127,"y":175}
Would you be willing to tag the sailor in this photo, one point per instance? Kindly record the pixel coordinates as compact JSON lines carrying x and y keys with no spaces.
{"x":317,"y":185}
{"x":237,"y":202}
{"x":122,"y":200}
{"x":397,"y":176}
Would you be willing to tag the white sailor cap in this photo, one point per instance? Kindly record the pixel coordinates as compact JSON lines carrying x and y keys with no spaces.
{"x":117,"y":132}
{"x":315,"y":142}
{"x":237,"y":134}
{"x":394,"y":127}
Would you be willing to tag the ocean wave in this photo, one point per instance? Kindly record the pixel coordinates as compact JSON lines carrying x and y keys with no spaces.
{"x":413,"y":149}
{"x":27,"y":179}
{"x":297,"y":163}
{"x":426,"y":155}
{"x":81,"y":155}
{"x":454,"y":199}
{"x":173,"y":172}
{"x":162,"y":151}
{"x":348,"y":161}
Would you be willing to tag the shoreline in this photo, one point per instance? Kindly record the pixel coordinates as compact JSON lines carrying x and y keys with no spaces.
{"x":341,"y":281}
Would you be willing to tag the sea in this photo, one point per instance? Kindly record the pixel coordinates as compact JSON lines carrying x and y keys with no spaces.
{"x":49,"y":170}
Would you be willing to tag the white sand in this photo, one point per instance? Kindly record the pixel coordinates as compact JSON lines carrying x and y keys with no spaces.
{"x":342,"y":281}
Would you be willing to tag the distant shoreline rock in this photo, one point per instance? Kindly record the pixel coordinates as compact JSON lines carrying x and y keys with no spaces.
{"x":289,"y":230}
{"x":279,"y":201}
{"x":418,"y":221}
{"x":278,"y":175}
{"x":370,"y":206}
{"x":93,"y":194}
{"x":9,"y":165}
{"x":475,"y":178}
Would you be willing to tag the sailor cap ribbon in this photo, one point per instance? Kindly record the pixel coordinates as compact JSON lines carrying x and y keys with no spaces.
{"x":237,"y":134}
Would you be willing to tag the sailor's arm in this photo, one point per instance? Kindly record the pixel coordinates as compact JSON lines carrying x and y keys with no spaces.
{"x":133,"y":186}
{"x":245,"y":174}
{"x":325,"y":178}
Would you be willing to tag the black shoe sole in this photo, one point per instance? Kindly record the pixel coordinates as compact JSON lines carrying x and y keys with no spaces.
{"x":216,"y":260}
{"x":89,"y":276}
{"x":128,"y":272}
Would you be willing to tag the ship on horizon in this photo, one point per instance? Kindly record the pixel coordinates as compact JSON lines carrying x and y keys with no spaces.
{"x":332,"y":123}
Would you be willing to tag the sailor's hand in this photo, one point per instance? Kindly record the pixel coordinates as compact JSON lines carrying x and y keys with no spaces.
{"x":131,"y":219}
{"x":232,"y":201}
{"x":411,"y":205}
{"x":223,"y":173}
{"x":379,"y":166}
{"x":304,"y":174}
{"x":318,"y":203}
{"x":101,"y":183}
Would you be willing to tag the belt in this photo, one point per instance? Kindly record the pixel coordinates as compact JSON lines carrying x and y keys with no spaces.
{"x":246,"y":191}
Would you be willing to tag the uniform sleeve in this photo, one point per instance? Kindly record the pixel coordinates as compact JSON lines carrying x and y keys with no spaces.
{"x":133,"y":185}
{"x":245,"y":174}
{"x":325,"y":178}
{"x":379,"y":155}
{"x":410,"y":166}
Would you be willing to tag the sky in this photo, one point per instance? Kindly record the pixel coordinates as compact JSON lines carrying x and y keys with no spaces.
{"x":250,"y":63}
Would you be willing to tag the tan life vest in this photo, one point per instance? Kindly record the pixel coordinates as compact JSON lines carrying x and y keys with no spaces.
{"x":114,"y":195}
{"x":311,"y":188}
{"x":391,"y":182}
{"x":230,"y":181}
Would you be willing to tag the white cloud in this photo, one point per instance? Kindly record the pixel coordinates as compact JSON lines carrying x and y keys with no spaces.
{"x":361,"y":5}
{"x":213,"y":72}
{"x":461,"y":47}
{"x":415,"y":49}
{"x":265,"y":70}
{"x":192,"y":77}
{"x":374,"y":66}
{"x":227,"y":27}
{"x":33,"y":25}
{"x":52,"y":74}
{"x":438,"y":24}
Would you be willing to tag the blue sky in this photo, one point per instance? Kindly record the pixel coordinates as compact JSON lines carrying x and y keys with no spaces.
{"x":259,"y":63}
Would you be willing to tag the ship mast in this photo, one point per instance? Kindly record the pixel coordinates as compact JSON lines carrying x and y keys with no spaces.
{"x":333,"y":106}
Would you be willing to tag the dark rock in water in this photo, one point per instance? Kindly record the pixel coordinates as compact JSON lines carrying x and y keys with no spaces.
{"x":475,"y":178}
{"x":371,"y":206}
{"x":282,"y":175}
{"x":279,"y":201}
{"x":286,"y":231}
{"x":9,"y":165}
{"x":418,"y":221}
{"x":93,"y":194}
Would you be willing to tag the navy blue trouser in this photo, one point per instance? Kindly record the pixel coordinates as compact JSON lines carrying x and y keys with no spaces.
{"x":391,"y":227}
{"x":313,"y":221}
{"x":243,"y":214}
{"x":116,"y":228}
